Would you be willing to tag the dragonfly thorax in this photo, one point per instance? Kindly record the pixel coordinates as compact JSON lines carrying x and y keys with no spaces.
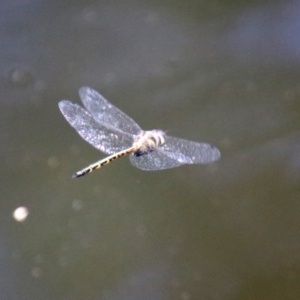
{"x":147,"y":141}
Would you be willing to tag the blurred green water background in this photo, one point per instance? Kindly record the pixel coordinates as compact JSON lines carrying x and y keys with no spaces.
{"x":220,"y":72}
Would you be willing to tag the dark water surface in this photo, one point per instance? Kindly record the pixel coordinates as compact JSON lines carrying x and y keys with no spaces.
{"x":227,"y":74}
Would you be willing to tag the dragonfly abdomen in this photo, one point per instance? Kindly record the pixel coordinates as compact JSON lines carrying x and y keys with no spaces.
{"x":102,"y":162}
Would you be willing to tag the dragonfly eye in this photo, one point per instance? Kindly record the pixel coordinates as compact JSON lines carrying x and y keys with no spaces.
{"x":142,"y":152}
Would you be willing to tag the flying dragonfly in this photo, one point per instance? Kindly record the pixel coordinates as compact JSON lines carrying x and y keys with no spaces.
{"x":111,"y":131}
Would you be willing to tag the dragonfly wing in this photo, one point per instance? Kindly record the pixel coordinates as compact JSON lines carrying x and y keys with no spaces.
{"x":154,"y":161}
{"x":189,"y":152}
{"x":107,"y":114}
{"x":103,"y":138}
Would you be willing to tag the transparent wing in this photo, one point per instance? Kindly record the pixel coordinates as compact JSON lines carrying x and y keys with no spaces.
{"x":189,"y":152}
{"x":174,"y":153}
{"x":105,"y":139}
{"x":154,"y":161}
{"x":107,"y":114}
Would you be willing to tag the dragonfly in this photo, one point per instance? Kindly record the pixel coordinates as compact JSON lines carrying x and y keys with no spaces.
{"x":111,"y":131}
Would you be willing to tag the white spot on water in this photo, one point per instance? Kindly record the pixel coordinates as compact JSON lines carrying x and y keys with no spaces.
{"x":20,"y":214}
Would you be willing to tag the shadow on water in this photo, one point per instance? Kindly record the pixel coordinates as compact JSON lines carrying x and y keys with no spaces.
{"x":226,"y":74}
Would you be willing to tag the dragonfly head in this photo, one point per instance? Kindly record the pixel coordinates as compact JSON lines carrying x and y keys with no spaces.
{"x":147,"y":141}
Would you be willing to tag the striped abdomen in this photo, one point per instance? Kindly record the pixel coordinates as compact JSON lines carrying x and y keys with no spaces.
{"x":103,"y":162}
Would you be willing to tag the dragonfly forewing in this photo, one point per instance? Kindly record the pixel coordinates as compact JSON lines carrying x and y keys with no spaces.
{"x":103,"y":138}
{"x":107,"y":114}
